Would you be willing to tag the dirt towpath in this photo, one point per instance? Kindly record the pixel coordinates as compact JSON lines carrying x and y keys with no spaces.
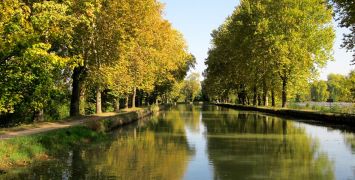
{"x":36,"y":128}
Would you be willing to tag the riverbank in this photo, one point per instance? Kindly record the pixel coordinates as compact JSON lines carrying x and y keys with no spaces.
{"x":332,"y":118}
{"x":25,"y":147}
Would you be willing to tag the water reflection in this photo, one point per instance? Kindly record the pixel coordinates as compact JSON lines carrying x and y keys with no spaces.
{"x":254,"y":146}
{"x":207,"y":142}
{"x":137,"y":153}
{"x":350,"y":140}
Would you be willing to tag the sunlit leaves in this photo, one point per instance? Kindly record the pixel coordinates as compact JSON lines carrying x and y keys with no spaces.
{"x":264,"y":43}
{"x":35,"y":39}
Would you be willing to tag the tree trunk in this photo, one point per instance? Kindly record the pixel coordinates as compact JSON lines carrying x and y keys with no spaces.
{"x":284,"y":92}
{"x":147,"y":100}
{"x":75,"y":97}
{"x":245,"y":98}
{"x":265,"y":94}
{"x":265,"y":98}
{"x":273,"y":103}
{"x":98,"y":101}
{"x":255,"y":97}
{"x":82,"y":102}
{"x":259,"y":100}
{"x":38,"y":116}
{"x":134,"y":97}
{"x":140,"y":98}
{"x":126,"y":102}
{"x":117,"y":105}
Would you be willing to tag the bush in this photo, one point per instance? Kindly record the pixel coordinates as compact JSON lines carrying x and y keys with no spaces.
{"x":90,"y":108}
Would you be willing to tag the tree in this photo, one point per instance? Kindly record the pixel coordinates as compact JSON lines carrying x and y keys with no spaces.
{"x":352,"y":85}
{"x":319,"y":91}
{"x":303,"y":38}
{"x":192,"y":87}
{"x":339,"y":88}
{"x":16,"y":31}
{"x":345,"y":10}
{"x":268,"y":46}
{"x":33,"y":52}
{"x":83,"y":44}
{"x":92,"y":48}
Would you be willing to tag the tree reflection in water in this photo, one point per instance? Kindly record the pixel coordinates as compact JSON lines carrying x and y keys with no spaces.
{"x":157,"y":150}
{"x":248,"y":145}
{"x":237,"y":144}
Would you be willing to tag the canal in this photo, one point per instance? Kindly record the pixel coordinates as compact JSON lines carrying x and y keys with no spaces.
{"x":207,"y":142}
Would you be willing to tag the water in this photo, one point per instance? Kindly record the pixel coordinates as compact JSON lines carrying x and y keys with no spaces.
{"x":208,"y":142}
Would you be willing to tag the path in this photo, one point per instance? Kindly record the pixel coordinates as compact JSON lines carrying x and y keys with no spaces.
{"x":49,"y":126}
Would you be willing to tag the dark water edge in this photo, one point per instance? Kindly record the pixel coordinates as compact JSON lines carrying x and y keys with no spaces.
{"x":207,"y":142}
{"x":339,"y":119}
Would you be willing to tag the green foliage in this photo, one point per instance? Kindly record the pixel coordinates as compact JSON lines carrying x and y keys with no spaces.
{"x":326,"y":108}
{"x":351,"y":80}
{"x":319,"y":91}
{"x":49,"y":48}
{"x":345,"y":11}
{"x":268,"y":48}
{"x":191,"y":87}
{"x":154,"y":108}
{"x":35,"y":39}
{"x":339,"y":88}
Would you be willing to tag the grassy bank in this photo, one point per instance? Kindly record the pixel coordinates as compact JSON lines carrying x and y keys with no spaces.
{"x":324,"y":107}
{"x":109,"y":123}
{"x":333,"y":118}
{"x":22,"y":151}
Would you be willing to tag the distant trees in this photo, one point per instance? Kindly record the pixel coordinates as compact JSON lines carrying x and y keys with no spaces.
{"x":267,"y":49}
{"x":191,"y":87}
{"x":338,"y":87}
{"x":90,"y":54}
{"x":319,"y":91}
{"x":186,"y":91}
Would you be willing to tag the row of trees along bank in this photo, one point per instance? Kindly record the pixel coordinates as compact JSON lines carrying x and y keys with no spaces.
{"x":269,"y":48}
{"x":87,"y":55}
{"x":337,"y":87}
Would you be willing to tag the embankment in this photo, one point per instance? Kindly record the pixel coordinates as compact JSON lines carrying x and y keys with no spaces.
{"x":112,"y":122}
{"x":24,"y":150}
{"x":332,"y":118}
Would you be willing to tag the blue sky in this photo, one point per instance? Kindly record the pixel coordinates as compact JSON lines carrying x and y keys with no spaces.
{"x":197,"y":18}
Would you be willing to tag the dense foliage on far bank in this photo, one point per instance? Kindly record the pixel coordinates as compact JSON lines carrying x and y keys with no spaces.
{"x":337,"y":88}
{"x":272,"y":50}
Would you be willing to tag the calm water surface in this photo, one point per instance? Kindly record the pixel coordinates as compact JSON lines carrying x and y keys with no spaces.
{"x":208,"y":142}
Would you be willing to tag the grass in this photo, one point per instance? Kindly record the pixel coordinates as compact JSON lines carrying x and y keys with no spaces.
{"x":22,"y":151}
{"x":131,"y":109}
{"x":324,"y":109}
{"x":25,"y":126}
{"x":22,"y":127}
{"x":336,"y":109}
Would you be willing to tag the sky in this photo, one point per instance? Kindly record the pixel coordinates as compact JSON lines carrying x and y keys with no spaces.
{"x":196,"y":19}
